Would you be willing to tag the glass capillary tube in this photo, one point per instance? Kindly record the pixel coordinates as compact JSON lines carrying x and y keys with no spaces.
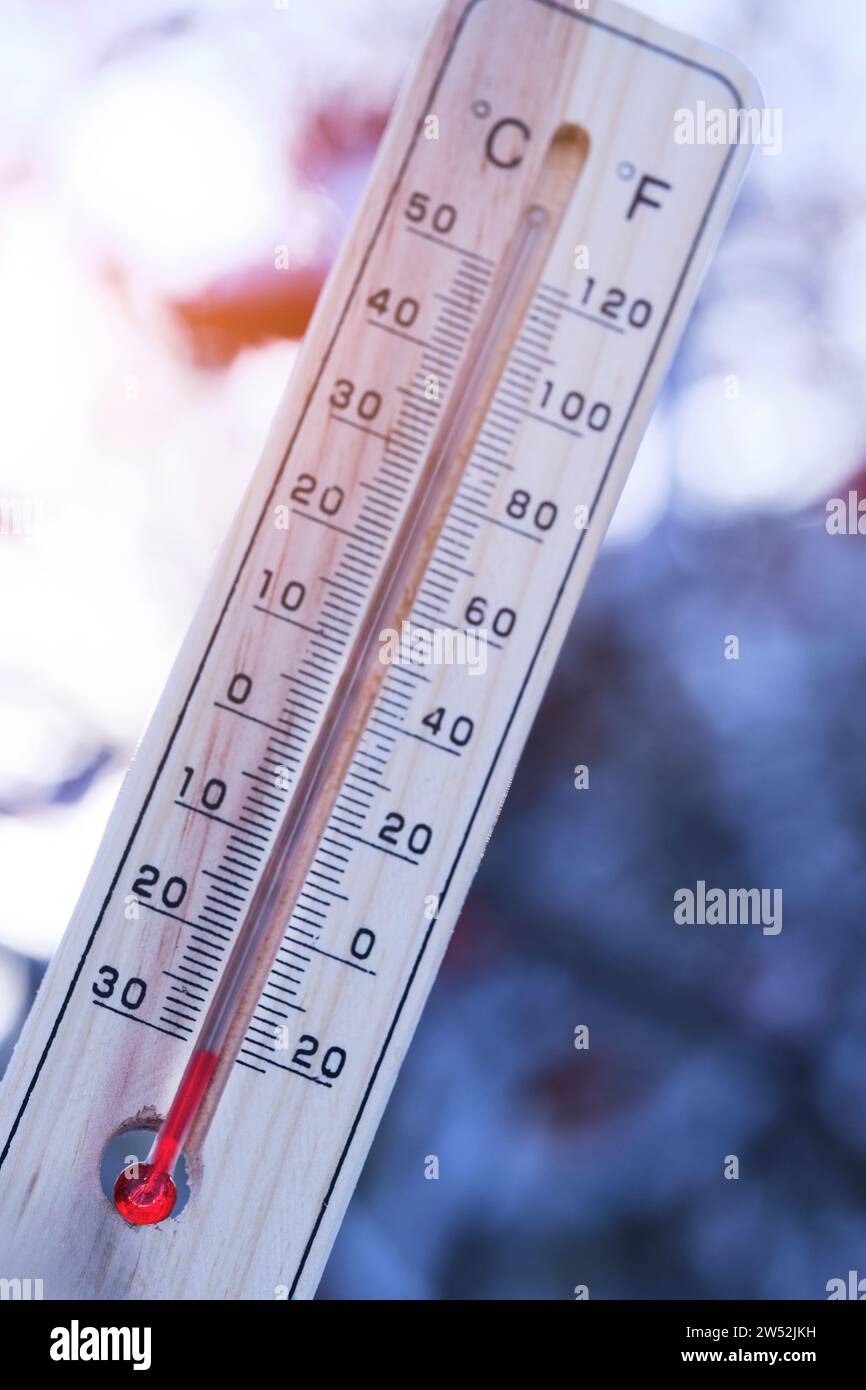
{"x":148,"y":1194}
{"x":340,"y":715}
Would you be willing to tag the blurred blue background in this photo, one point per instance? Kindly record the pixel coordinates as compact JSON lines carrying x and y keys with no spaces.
{"x":155,"y":160}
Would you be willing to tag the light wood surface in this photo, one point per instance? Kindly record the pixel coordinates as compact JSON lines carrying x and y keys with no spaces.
{"x":575,"y":374}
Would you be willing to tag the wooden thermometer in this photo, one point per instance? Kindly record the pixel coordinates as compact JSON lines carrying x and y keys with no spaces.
{"x":292,"y":844}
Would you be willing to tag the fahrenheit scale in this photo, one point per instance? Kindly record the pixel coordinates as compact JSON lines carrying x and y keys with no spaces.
{"x":291,"y":847}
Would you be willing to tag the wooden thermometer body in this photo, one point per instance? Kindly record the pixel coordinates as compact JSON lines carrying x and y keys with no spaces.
{"x":392,"y":340}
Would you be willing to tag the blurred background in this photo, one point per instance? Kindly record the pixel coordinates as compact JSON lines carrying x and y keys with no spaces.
{"x":157,"y":162}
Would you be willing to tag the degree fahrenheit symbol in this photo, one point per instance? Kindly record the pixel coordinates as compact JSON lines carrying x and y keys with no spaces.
{"x":645,"y":181}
